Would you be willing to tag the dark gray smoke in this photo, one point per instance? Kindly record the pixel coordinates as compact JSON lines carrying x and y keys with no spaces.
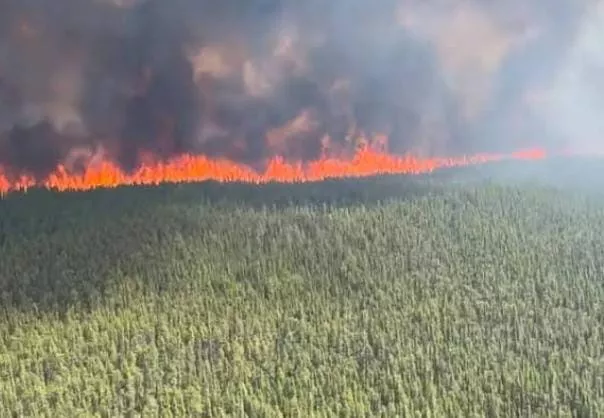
{"x":250,"y":79}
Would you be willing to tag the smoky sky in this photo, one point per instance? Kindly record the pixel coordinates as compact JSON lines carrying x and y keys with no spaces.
{"x":251,"y":79}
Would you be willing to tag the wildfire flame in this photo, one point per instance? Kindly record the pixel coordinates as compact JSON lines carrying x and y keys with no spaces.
{"x":188,"y":168}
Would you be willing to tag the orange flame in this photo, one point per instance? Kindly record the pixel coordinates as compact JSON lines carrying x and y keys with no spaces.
{"x":189,"y":168}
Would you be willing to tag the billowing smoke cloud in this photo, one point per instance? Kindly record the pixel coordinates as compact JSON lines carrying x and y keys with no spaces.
{"x":250,"y":79}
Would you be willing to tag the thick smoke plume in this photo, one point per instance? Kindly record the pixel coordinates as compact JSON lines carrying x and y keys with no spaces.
{"x":251,"y":79}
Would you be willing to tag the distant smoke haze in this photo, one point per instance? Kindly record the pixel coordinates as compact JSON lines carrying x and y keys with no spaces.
{"x":573,"y":106}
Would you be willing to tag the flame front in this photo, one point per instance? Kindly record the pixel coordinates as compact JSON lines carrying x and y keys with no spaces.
{"x":190,"y":168}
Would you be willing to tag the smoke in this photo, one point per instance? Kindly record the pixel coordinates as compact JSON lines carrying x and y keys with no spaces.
{"x":248,"y":80}
{"x":574,"y":104}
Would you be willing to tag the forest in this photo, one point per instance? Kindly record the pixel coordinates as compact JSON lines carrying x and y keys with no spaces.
{"x":474,"y":292}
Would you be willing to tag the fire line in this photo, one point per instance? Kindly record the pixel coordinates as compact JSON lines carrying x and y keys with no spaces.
{"x":189,"y":168}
